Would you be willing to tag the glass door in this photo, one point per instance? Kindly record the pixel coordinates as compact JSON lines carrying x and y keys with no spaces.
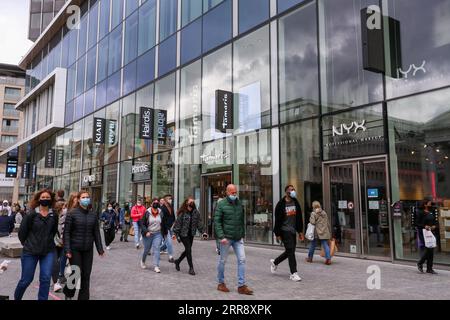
{"x":143,"y":191}
{"x":213,"y":190}
{"x":357,"y":200}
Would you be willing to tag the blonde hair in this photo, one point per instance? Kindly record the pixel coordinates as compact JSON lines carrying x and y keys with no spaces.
{"x":316,"y":204}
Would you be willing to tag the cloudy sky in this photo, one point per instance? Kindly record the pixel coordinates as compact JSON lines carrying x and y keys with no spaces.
{"x":14,"y":25}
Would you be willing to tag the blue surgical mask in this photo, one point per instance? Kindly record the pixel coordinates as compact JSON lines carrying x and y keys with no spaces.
{"x":85,"y":202}
{"x":293,"y":194}
{"x":232,"y":198}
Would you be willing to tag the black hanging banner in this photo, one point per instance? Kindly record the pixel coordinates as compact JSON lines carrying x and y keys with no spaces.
{"x":99,"y":130}
{"x":224,"y":111}
{"x":11,"y":167}
{"x":146,"y":123}
{"x":50,"y":158}
{"x":26,"y":170}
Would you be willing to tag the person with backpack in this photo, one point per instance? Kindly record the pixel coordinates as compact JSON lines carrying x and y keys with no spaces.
{"x":81,"y":231}
{"x":109,"y":218}
{"x":37,"y":233}
{"x":137,"y":212}
{"x":288,"y":222}
{"x":151,"y":229}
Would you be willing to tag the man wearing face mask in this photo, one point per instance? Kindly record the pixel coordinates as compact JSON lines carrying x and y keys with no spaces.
{"x":229,"y":224}
{"x":288,"y":222}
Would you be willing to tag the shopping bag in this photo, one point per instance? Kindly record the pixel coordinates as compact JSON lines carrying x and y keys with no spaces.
{"x":333,"y":248}
{"x":429,"y":238}
{"x":67,"y":269}
{"x":310,"y":232}
{"x":131,"y":233}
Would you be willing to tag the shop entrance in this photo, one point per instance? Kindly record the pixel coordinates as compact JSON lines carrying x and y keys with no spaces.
{"x":143,"y":190}
{"x":356,"y":196}
{"x":213,"y":190}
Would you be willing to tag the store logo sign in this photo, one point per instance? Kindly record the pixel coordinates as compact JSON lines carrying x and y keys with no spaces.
{"x":145,"y":123}
{"x":112,"y":132}
{"x":215,"y":157}
{"x":140,"y":168}
{"x":224,"y":111}
{"x":90,"y":178}
{"x":345,"y":129}
{"x":59,"y":158}
{"x":412,"y":68}
{"x":162,"y":126}
{"x":99,"y":130}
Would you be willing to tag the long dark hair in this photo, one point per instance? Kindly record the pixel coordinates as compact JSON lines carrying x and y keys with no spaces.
{"x":184,"y":206}
{"x":34,"y":203}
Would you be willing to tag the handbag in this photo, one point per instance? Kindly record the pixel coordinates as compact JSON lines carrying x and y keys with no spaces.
{"x":67,"y":269}
{"x":333,"y":248}
{"x":429,"y":238}
{"x":310,"y":232}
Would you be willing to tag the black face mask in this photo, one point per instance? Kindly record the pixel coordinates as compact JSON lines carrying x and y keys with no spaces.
{"x":155,"y":206}
{"x":45,"y":203}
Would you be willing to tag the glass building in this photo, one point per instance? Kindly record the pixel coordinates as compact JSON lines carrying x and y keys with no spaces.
{"x":347,"y":100}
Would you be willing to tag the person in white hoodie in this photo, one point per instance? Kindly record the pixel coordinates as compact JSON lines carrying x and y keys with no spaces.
{"x":5,"y":206}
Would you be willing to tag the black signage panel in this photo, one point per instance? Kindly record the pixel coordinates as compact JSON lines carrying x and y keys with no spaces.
{"x":11,"y":167}
{"x":59,"y":159}
{"x":161,"y":125}
{"x":146,"y":123}
{"x":50,"y":158}
{"x":99,"y":130}
{"x":26,"y":170}
{"x":33,"y":171}
{"x":224,"y":110}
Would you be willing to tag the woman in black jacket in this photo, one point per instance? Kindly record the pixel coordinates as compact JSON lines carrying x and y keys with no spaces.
{"x":186,"y":226}
{"x":427,"y":221}
{"x":37,"y":232}
{"x":81,"y":230}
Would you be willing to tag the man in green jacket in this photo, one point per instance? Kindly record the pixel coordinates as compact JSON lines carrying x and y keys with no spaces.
{"x":229,"y":222}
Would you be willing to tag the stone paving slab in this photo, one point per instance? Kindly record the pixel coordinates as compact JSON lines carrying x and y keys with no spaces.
{"x":119,"y":277}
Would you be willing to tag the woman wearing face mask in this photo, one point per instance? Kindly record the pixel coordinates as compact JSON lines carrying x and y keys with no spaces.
{"x":37,"y":233}
{"x":322,"y":232}
{"x":109,"y":218}
{"x":186,"y":226}
{"x":81,"y":230}
{"x":151,"y":227}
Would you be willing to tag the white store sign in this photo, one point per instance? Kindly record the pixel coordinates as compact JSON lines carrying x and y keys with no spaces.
{"x":6,"y":182}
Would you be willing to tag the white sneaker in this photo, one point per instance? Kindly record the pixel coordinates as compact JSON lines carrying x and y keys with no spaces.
{"x":143,"y":266}
{"x":157,"y":270}
{"x":295,"y":277}
{"x":108,"y":248}
{"x":273,"y":266}
{"x":57,"y":287}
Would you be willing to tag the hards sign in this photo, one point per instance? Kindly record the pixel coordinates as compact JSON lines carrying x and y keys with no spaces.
{"x":224,"y":110}
{"x":146,"y":123}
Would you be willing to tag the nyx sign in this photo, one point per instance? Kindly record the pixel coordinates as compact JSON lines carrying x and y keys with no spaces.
{"x":99,"y":130}
{"x":145,"y":123}
{"x":224,"y":111}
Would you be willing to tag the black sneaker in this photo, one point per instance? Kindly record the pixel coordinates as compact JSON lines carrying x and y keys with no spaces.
{"x":420,"y":267}
{"x":121,"y":239}
{"x":177,"y":265}
{"x":431,"y":271}
{"x":192,"y":272}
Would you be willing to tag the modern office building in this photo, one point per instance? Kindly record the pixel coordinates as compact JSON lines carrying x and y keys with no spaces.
{"x":42,"y":13}
{"x":346,"y":100}
{"x":12,"y":89}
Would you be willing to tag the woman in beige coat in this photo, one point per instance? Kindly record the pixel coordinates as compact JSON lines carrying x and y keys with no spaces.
{"x":322,"y":232}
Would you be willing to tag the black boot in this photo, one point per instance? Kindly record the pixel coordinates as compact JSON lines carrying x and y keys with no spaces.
{"x":177,"y":265}
{"x":191,"y":271}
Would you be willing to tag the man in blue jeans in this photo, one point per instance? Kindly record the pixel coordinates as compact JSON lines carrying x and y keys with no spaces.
{"x":229,"y":224}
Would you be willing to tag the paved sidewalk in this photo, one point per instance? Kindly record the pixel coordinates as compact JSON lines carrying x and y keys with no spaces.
{"x":119,"y":277}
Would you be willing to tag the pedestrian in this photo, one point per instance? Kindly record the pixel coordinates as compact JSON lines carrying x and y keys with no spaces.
{"x":322,"y":232}
{"x":109,"y":218}
{"x":60,"y":196}
{"x":151,"y":227}
{"x":125,"y":222}
{"x":6,"y":208}
{"x":81,"y":231}
{"x":137,"y":212}
{"x":427,"y":221}
{"x":72,"y":202}
{"x":60,"y":258}
{"x":288,"y":222}
{"x":186,"y":226}
{"x":168,"y":221}
{"x":19,"y":214}
{"x":229,"y":224}
{"x":6,"y":224}
{"x":37,"y":233}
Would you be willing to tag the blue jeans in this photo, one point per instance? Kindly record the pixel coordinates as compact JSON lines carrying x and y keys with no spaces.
{"x":29,"y":264}
{"x":153,"y":242}
{"x":238,"y":248}
{"x":136,"y":232}
{"x":167,"y":243}
{"x":62,"y":265}
{"x":324,"y":244}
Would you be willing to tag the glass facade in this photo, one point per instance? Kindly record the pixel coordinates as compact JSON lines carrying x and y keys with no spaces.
{"x":232,"y":94}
